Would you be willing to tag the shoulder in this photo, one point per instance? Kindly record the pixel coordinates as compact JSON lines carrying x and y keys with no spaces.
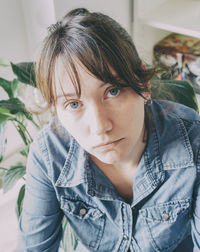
{"x":178,"y":131}
{"x":173,"y":116}
{"x":169,"y":108}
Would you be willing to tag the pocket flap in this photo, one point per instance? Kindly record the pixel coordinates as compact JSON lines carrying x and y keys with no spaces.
{"x":80,"y":209}
{"x":166,"y":212}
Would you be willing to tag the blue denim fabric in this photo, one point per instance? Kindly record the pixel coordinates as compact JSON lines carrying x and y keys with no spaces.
{"x":164,"y":214}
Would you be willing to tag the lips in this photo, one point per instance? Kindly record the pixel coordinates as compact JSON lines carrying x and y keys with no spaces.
{"x":108,"y":144}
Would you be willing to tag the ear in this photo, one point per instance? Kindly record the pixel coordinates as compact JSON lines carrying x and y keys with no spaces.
{"x":143,"y":65}
{"x":147,"y":94}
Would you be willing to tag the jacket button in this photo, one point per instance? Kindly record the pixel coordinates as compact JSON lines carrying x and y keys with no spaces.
{"x":165,"y":216}
{"x":82,"y":211}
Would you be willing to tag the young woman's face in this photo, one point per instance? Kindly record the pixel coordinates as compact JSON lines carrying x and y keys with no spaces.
{"x":106,"y":121}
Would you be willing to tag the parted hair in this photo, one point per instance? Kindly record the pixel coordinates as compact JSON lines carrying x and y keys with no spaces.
{"x":100,"y":44}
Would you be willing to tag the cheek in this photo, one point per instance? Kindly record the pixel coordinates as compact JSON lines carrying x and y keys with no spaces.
{"x":133,"y":110}
{"x":67,"y":122}
{"x":135,"y":117}
{"x":73,"y":126}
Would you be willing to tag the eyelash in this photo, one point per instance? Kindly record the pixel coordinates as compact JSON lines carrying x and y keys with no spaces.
{"x":66,"y":105}
{"x":115,"y":88}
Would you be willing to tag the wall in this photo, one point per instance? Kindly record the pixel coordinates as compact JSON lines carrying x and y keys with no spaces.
{"x":145,"y":36}
{"x":13,"y":46}
{"x":12,"y":28}
{"x":117,"y":9}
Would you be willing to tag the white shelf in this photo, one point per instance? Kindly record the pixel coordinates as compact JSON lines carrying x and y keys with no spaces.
{"x":180,"y":16}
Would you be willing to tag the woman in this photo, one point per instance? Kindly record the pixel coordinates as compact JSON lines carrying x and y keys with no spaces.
{"x":124,"y":169}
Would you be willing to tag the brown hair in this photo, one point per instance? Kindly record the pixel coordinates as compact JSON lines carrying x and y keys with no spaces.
{"x":100,"y":44}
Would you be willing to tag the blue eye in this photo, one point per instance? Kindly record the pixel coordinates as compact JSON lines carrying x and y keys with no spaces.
{"x":73,"y":105}
{"x":114,"y":92}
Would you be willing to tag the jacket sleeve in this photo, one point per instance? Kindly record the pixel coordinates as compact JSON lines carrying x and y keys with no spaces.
{"x":41,"y":219}
{"x":196,"y":211}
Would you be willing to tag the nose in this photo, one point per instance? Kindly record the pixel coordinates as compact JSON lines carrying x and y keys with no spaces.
{"x":98,"y":120}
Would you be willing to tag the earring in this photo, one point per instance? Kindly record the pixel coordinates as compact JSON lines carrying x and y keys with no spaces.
{"x":148,"y":102}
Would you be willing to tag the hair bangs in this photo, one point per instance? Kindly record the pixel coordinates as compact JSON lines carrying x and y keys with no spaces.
{"x":97,"y":59}
{"x":67,"y":65}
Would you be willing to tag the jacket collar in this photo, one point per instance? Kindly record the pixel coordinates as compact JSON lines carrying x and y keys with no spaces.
{"x":168,"y":148}
{"x":79,"y":168}
{"x":74,"y":170}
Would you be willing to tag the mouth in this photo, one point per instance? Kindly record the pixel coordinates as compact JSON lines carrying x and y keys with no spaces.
{"x":108,"y":144}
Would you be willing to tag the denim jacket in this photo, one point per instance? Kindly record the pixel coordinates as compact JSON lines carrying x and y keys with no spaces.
{"x":164,"y":214}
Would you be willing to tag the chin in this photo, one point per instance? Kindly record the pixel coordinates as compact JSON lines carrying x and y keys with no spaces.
{"x":109,"y":158}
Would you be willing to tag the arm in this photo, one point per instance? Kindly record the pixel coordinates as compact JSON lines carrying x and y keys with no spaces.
{"x":41,"y":219}
{"x":196,"y":213}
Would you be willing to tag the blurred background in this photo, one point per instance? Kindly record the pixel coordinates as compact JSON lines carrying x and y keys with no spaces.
{"x":23,"y":26}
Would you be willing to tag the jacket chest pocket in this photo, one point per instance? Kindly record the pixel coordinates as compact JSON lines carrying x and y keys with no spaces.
{"x":166,"y":224}
{"x":87,"y":221}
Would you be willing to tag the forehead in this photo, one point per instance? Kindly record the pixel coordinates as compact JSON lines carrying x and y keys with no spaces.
{"x":70,"y":79}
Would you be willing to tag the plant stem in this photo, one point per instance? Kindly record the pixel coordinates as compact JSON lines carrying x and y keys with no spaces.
{"x":35,"y":124}
{"x":22,"y":130}
{"x":2,"y":168}
{"x":30,"y":137}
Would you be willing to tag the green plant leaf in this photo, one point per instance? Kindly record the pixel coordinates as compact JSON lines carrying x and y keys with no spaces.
{"x":2,"y":171}
{"x":15,"y":173}
{"x":25,"y":72}
{"x":9,"y":86}
{"x":3,"y":140}
{"x":15,"y":106}
{"x":27,"y":139}
{"x":174,"y":90}
{"x":14,"y":110}
{"x":25,"y":151}
{"x":5,"y":118}
{"x":5,"y":115}
{"x":69,"y":241}
{"x":20,"y":199}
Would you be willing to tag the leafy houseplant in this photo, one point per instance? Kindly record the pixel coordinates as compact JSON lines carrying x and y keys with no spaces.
{"x":14,"y":110}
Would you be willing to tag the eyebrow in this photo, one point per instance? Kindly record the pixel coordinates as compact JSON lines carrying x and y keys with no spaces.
{"x":66,"y":95}
{"x":74,"y":94}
